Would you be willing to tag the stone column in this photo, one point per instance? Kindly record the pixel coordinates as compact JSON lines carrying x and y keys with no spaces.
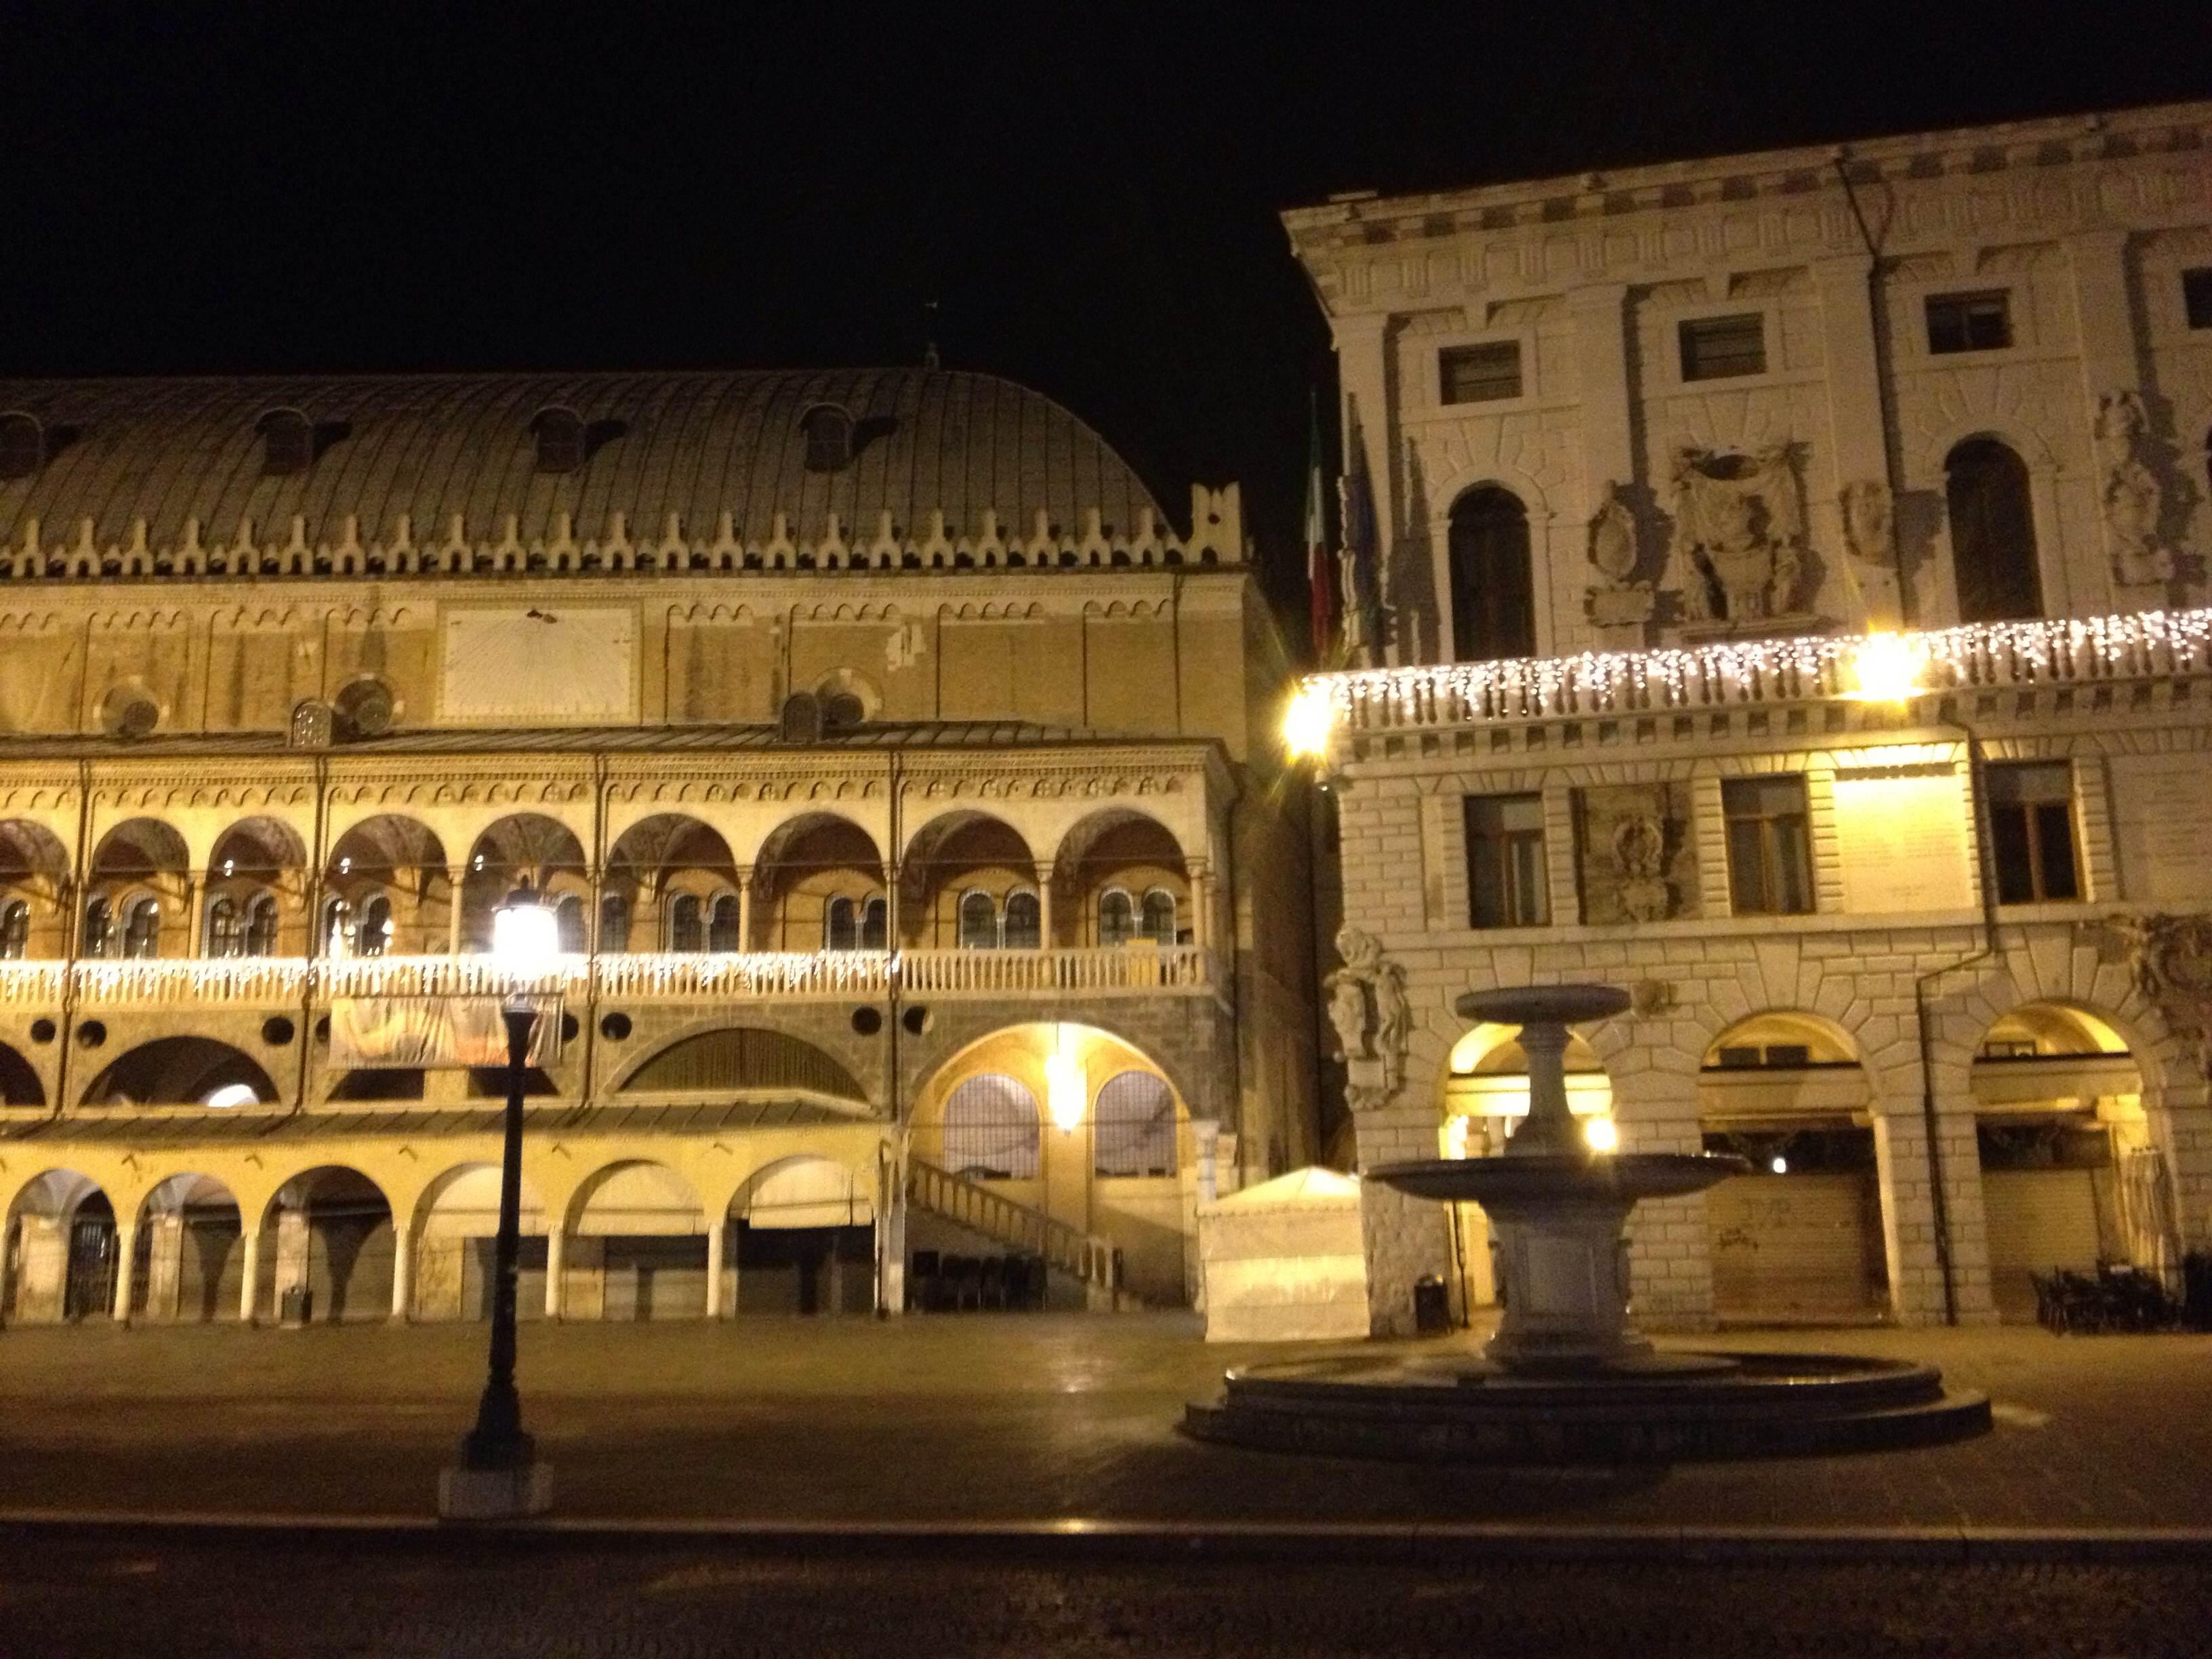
{"x":1206,"y":1142}
{"x":402,"y":1275}
{"x":42,"y":1271}
{"x":250,"y":1273}
{"x":164,"y":1262}
{"x":745,"y":909}
{"x":1044,"y":908}
{"x":553,"y":1243}
{"x":456,"y":876}
{"x":717,"y":1235}
{"x":126,"y":1246}
{"x":196,"y":886}
{"x":292,"y":1246}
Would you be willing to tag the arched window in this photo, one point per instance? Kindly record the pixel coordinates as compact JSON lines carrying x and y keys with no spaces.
{"x":560,"y":434}
{"x":14,"y":930}
{"x":686,"y":926}
{"x":1117,"y":917}
{"x":1157,"y":923}
{"x":373,"y":935}
{"x":261,"y":926}
{"x":1024,"y":922}
{"x":841,"y":926}
{"x":1135,"y":1127}
{"x":992,"y":1128}
{"x":287,"y":443}
{"x":722,"y":925}
{"x":614,"y":923}
{"x":1493,"y":590}
{"x":142,"y":929}
{"x":875,"y":924}
{"x":979,"y":921}
{"x":23,"y":445}
{"x":225,"y":938}
{"x":99,"y":927}
{"x":1992,"y":533}
{"x":337,"y":928}
{"x":569,"y":920}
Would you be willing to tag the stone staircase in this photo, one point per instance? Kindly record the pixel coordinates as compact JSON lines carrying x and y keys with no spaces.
{"x":1085,"y":1259}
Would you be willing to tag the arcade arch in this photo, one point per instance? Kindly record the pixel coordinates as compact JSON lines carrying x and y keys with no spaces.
{"x":35,"y":879}
{"x":527,"y":848}
{"x":388,"y":891}
{"x":636,"y":1246}
{"x":818,"y":884}
{"x":970,"y":882}
{"x":1125,"y":879}
{"x":805,"y":1241}
{"x":188,"y":1260}
{"x":328,"y":1239}
{"x":658,"y":863}
{"x":137,"y":894}
{"x":182,"y":1071}
{"x":61,"y":1256}
{"x":452,"y":1248}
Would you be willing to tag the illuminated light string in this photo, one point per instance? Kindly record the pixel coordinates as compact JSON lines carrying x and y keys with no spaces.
{"x":1802,"y":669}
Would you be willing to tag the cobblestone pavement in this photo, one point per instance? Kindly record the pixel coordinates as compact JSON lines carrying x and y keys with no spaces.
{"x":1003,"y":1417}
{"x":320,"y":1598}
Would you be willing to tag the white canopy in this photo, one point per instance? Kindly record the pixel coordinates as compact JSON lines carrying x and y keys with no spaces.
{"x":1283,"y":1260}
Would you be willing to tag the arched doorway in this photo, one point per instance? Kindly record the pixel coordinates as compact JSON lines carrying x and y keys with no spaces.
{"x":189,"y":1266}
{"x":455,"y":1247}
{"x":1992,"y":516}
{"x":637,"y":1247}
{"x":806,"y":1235}
{"x":1493,"y":589}
{"x":2070,"y":1179}
{"x":328,"y":1235}
{"x":1070,"y":1126}
{"x":61,"y":1250}
{"x":1800,"y":1237}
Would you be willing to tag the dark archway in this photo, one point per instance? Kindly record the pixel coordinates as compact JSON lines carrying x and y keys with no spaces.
{"x":19,"y":1081}
{"x":1494,"y":586}
{"x":1993,"y":556}
{"x":180,"y":1071}
{"x":744,"y":1058}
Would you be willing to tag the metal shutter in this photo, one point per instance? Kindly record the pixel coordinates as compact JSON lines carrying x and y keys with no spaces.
{"x":1796,"y":1246}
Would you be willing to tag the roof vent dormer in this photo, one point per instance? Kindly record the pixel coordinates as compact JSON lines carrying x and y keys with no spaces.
{"x":291,"y":443}
{"x":560,"y":434}
{"x":23,"y":445}
{"x":828,"y":431}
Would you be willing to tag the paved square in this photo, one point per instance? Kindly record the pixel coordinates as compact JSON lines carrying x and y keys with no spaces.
{"x":1002,"y":1417}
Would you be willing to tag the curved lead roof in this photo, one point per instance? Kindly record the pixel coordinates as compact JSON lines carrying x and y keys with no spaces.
{"x":698,"y":444}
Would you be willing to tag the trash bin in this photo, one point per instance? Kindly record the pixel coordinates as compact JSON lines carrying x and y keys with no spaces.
{"x":297,"y":1306}
{"x":1431,"y":1306}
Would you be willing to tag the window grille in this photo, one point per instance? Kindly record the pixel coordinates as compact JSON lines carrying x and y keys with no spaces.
{"x":614,"y":923}
{"x":99,"y":927}
{"x":14,"y":930}
{"x":142,"y":930}
{"x":687,"y":929}
{"x":261,"y":926}
{"x":992,"y":1128}
{"x":979,"y":921}
{"x":1157,"y":920}
{"x":1721,"y":348}
{"x":1505,"y":863}
{"x":373,"y":935}
{"x":569,"y":923}
{"x":1024,"y":922}
{"x":1134,"y":1132}
{"x":224,"y":936}
{"x":841,"y":926}
{"x":875,"y":924}
{"x":1117,"y":917}
{"x":1769,"y":846}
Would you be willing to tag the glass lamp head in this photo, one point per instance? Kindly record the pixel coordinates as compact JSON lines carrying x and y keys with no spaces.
{"x":1307,"y":723}
{"x":1885,"y":668}
{"x":526,"y":935}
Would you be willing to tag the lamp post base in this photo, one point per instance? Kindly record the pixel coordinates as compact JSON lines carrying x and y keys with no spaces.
{"x":509,"y":1494}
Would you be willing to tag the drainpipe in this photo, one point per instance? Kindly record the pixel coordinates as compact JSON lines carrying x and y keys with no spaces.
{"x":1938,"y":1200}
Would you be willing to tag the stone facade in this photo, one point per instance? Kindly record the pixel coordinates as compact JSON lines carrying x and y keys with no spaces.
{"x":1751,"y":396}
{"x":861,"y":725}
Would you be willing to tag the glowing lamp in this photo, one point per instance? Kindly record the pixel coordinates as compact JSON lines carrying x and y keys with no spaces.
{"x":1063,"y":1091}
{"x":1307,"y":724}
{"x":1601,"y":1134}
{"x":231,"y":1096}
{"x":1779,"y":1164}
{"x":1885,"y":668}
{"x":525,"y":936}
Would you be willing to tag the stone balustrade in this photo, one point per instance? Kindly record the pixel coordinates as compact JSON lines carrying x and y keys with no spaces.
{"x":634,"y":977}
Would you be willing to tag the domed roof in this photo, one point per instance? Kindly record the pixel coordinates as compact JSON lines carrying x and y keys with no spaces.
{"x":694,"y":445}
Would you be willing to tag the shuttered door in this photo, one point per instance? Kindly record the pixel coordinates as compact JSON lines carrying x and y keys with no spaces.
{"x":479,"y":1266}
{"x":1796,"y":1247}
{"x":656,"y":1278}
{"x":2039,"y":1220}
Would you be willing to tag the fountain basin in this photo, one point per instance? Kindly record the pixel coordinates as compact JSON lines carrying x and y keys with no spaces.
{"x":1545,"y":1176}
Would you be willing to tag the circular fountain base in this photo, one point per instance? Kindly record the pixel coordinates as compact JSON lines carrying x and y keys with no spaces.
{"x":1666,"y":1407}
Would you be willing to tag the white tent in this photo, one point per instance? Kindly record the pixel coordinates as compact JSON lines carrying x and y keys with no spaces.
{"x":1283,"y":1261}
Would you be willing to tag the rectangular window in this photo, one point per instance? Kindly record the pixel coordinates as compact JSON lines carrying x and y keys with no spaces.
{"x":1482,"y":374}
{"x":2032,"y":831}
{"x":1770,"y":846}
{"x":1717,"y":348}
{"x":2196,"y":296}
{"x":1505,"y":861}
{"x":1969,"y":322}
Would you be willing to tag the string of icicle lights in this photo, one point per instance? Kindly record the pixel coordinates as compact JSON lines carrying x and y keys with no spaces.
{"x":2148,"y":643}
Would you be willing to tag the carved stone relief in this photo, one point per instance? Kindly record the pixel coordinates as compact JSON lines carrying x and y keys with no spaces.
{"x":1616,"y":601}
{"x":1637,"y":861}
{"x":2129,"y":492}
{"x":1368,"y":1006}
{"x":2171,"y":956}
{"x":1739,"y":548}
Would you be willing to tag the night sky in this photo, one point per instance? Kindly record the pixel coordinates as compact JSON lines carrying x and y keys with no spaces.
{"x":1087,"y":194}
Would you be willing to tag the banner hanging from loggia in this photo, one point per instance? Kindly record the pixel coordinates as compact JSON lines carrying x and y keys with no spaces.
{"x":435,"y":1033}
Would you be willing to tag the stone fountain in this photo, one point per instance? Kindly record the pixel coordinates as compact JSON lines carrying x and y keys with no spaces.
{"x":1566,"y":1377}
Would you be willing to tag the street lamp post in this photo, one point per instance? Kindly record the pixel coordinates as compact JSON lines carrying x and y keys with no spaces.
{"x":500,"y":1476}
